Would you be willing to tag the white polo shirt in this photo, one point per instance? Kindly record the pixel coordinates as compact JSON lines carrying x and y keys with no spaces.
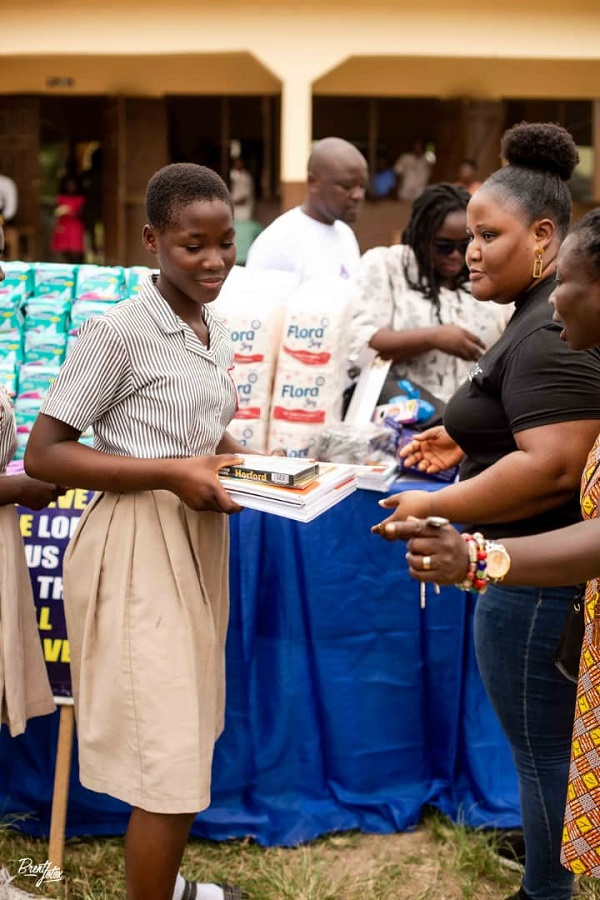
{"x":295,"y":242}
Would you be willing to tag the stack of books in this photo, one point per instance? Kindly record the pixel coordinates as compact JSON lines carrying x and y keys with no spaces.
{"x":377,"y":477}
{"x":297,"y":489}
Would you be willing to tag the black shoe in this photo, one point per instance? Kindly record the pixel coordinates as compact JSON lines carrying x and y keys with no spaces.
{"x":511,"y":846}
{"x":233,"y":892}
{"x":520,"y":895}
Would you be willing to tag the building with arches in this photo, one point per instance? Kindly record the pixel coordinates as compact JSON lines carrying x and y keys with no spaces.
{"x":152,"y":82}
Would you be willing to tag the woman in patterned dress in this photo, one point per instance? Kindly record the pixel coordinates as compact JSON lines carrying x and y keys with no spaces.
{"x":561,"y":557}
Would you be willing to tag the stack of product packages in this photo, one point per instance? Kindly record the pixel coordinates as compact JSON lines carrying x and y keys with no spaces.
{"x":42,"y":307}
{"x":312,"y":366}
{"x":291,"y":360}
{"x":253,"y":306}
{"x":290,"y":354}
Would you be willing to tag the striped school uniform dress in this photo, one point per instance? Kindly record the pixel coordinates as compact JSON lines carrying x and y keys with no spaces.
{"x":145,"y":577}
{"x":24,"y":687}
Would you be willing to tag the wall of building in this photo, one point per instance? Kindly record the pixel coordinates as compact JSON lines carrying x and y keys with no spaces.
{"x":386,"y":46}
{"x":465,"y":60}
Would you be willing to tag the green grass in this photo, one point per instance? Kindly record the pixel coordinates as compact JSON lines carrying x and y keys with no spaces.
{"x":437,"y":861}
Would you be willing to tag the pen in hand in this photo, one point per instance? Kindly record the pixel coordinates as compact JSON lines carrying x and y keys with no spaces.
{"x":433,"y":522}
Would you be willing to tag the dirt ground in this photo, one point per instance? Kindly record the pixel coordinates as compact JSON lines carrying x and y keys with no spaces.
{"x":418,"y":865}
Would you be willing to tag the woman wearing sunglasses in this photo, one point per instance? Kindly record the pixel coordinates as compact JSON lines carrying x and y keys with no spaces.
{"x":523,"y":423}
{"x":413,"y":303}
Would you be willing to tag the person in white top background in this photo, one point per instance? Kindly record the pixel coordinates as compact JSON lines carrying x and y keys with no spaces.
{"x":315,"y":240}
{"x":9,"y":199}
{"x":413,"y":170}
{"x":146,"y":575}
{"x":242,"y":190}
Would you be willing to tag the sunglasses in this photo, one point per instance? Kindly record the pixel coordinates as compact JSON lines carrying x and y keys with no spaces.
{"x":445,"y":246}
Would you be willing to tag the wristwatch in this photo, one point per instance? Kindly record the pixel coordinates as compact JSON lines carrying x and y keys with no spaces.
{"x":498,"y":562}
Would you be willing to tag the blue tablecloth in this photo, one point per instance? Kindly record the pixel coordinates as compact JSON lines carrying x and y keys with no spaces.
{"x":348,"y":706}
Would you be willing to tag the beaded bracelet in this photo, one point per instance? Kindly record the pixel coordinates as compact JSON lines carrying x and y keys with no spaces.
{"x":475,"y":580}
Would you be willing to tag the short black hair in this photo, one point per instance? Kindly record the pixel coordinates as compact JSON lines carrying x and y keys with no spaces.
{"x":587,"y":233}
{"x":427,"y":216}
{"x":175,"y":186}
{"x":541,"y":157}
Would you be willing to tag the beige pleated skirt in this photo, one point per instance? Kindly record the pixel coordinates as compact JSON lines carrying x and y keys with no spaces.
{"x":147,"y":601}
{"x":25,"y":690}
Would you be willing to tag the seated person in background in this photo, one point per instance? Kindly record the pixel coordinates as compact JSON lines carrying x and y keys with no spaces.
{"x":467,"y":176}
{"x":412,"y":302}
{"x":314,"y":240}
{"x":382,"y":185}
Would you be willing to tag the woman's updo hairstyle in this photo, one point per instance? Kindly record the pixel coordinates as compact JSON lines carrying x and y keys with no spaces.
{"x":587,"y":233}
{"x":541,"y":157}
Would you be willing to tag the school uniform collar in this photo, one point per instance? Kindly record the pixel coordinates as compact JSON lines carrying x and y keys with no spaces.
{"x":158,"y":307}
{"x":170,"y":323}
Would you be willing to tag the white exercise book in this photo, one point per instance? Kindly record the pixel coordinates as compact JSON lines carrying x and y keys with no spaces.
{"x":334,"y":482}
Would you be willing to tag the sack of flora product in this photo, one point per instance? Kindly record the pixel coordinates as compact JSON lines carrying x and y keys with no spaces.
{"x":311,"y":367}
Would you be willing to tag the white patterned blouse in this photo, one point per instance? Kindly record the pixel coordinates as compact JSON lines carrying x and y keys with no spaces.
{"x":384,"y":299}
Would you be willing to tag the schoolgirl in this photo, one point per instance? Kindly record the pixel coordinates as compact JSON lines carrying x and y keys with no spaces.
{"x":146,"y":575}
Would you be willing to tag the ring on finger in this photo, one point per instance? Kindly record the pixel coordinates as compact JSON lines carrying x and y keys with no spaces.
{"x":426,"y":563}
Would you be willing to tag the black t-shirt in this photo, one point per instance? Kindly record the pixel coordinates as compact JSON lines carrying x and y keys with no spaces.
{"x":529,"y":378}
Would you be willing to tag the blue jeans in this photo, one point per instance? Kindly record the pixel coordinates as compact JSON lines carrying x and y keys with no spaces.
{"x":516,"y":631}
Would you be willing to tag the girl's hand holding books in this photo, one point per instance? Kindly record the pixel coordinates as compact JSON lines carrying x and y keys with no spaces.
{"x":195,"y":481}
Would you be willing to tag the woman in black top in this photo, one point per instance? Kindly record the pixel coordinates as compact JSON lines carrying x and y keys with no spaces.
{"x":522,"y":425}
{"x":553,"y":558}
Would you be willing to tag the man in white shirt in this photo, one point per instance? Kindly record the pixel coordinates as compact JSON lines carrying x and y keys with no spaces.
{"x":314,"y":240}
{"x":8,"y":199}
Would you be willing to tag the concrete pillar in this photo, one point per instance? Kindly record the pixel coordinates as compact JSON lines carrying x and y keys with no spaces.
{"x":296,"y":135}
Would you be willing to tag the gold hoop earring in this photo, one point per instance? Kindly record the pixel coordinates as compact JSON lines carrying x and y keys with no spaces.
{"x":538,"y":263}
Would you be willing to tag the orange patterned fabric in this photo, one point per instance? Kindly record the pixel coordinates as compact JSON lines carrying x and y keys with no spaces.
{"x":581,"y":834}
